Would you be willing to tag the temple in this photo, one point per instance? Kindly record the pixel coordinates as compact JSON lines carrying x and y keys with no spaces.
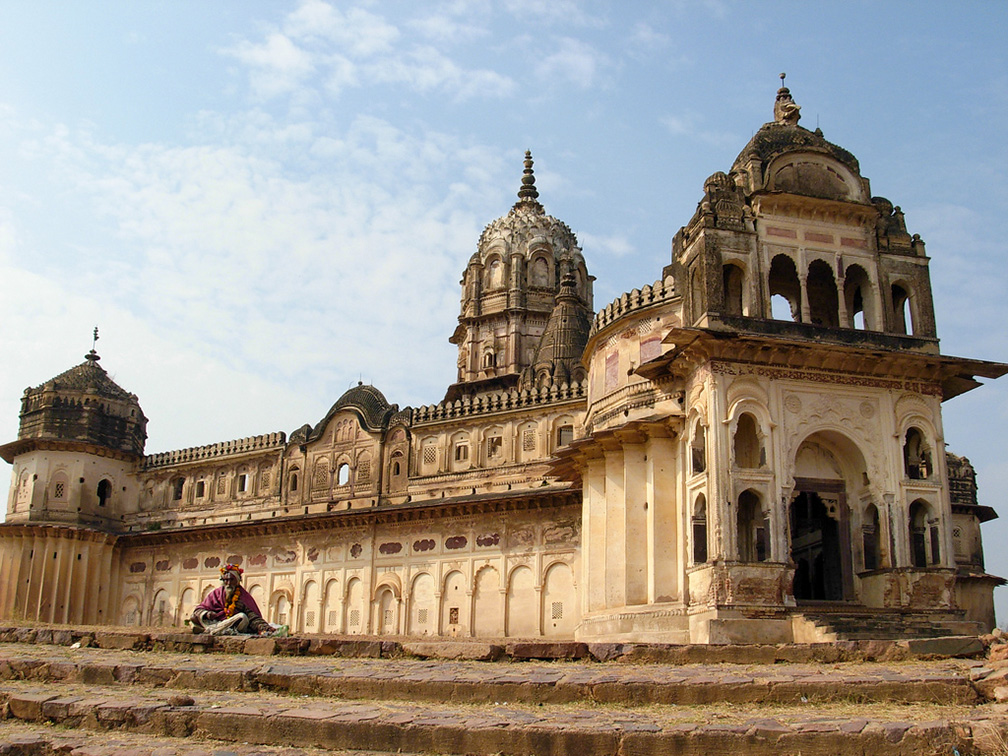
{"x":748,"y":449}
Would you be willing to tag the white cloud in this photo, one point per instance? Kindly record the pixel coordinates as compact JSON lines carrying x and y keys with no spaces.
{"x":644,"y":35}
{"x":445,"y":30}
{"x":610,"y":246}
{"x":426,"y":68}
{"x":321,"y":49}
{"x":228,"y":272}
{"x":562,"y":12}
{"x":691,"y":125}
{"x":358,"y":32}
{"x":276,"y":66}
{"x":574,"y":62}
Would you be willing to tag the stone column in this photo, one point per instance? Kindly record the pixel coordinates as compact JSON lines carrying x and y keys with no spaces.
{"x":593,"y":546}
{"x":665,"y":515}
{"x":615,"y":535}
{"x":638,"y":554}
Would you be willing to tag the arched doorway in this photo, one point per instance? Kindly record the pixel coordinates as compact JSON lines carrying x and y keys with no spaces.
{"x":820,"y":542}
{"x":829,"y":469}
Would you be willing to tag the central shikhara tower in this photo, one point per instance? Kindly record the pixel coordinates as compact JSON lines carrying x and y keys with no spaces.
{"x":749,"y":449}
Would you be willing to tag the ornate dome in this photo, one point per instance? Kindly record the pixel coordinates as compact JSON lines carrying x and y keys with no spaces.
{"x":759,"y":165}
{"x":527,"y":221}
{"x":367,"y":402}
{"x":83,"y":404}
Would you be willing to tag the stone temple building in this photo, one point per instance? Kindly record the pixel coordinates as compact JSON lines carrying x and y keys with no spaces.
{"x":748,"y":449}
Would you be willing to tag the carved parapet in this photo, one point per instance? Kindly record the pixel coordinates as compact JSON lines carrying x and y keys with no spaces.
{"x":217,"y":450}
{"x":638,"y":299}
{"x":499,"y":402}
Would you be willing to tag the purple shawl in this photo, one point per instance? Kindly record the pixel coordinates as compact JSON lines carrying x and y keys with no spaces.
{"x":216,"y":602}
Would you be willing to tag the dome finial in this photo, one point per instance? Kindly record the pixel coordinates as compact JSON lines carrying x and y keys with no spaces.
{"x":528,"y":189}
{"x":92,"y":356}
{"x":785,"y":111}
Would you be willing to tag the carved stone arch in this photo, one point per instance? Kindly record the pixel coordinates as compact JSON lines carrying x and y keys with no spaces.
{"x":860,"y":296}
{"x":696,"y":438}
{"x":822,"y":292}
{"x":904,"y":300}
{"x":910,"y":404}
{"x":281,"y":604}
{"x":746,"y":387}
{"x":389,"y":580}
{"x":541,"y":273}
{"x":814,"y":175}
{"x":130,"y":612}
{"x":782,"y":281}
{"x":749,"y":425}
{"x":840,"y":441}
{"x":495,"y":269}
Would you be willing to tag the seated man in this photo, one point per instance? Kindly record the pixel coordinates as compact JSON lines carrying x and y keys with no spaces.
{"x":229,"y":609}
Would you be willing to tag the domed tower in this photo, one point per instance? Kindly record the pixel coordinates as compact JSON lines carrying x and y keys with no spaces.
{"x":793,"y":234}
{"x":79,"y":445}
{"x":80,"y":439}
{"x":509,"y":291}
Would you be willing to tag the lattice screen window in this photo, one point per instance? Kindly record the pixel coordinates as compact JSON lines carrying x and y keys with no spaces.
{"x":388,"y":618}
{"x":453,"y":616}
{"x":364,"y":470}
{"x":321,"y":477}
{"x":354,"y":617}
{"x":557,"y":610}
{"x":421,"y":616}
{"x":528,"y":439}
{"x":130,"y":618}
{"x":59,"y":490}
{"x":430,"y":454}
{"x":310,"y":618}
{"x":221,"y":486}
{"x":282,"y":618}
{"x":264,"y":479}
{"x":333,"y":617}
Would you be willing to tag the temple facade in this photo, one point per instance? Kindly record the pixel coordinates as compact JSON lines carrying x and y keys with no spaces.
{"x":748,"y":449}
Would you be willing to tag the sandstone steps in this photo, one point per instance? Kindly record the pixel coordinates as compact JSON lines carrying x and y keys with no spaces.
{"x":90,"y":701}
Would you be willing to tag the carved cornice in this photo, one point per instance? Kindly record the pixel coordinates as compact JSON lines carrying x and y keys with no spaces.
{"x":25,"y":445}
{"x":813,"y":360}
{"x":430,"y":509}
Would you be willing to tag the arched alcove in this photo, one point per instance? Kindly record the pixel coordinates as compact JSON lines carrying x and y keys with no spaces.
{"x":824,"y":302}
{"x":785,"y":289}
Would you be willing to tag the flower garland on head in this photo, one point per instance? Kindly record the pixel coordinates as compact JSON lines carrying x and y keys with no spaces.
{"x":232,"y":606}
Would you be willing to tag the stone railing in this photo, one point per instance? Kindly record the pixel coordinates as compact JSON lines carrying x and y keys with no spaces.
{"x":638,"y":299}
{"x":212,"y":451}
{"x":501,"y":402}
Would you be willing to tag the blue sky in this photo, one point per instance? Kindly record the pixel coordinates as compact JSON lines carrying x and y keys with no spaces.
{"x":261,"y":203}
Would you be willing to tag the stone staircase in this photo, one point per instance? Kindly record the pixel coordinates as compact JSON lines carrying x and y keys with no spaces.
{"x":97,"y":692}
{"x":833,"y":622}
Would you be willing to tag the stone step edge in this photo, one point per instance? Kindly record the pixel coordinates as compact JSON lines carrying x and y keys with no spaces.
{"x":953,"y":646}
{"x":353,"y":728}
{"x":631,"y":693}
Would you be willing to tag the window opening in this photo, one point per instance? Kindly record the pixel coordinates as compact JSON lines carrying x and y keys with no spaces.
{"x":104,"y":492}
{"x":700,"y":530}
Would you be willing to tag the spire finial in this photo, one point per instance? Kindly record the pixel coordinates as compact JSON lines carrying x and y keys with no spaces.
{"x":785,"y":111}
{"x":92,"y":356}
{"x":528,"y":189}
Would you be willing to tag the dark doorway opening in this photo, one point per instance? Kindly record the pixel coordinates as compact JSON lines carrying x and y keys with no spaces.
{"x":820,"y":543}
